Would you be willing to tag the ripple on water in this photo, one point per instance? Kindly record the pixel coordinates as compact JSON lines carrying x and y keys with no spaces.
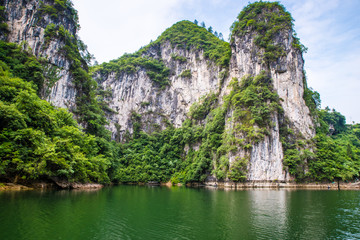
{"x":180,"y":213}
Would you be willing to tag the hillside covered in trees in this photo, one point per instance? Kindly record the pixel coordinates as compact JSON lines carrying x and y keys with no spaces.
{"x":217,"y":136}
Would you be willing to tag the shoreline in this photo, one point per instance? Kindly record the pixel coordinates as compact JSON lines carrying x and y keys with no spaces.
{"x":49,"y":186}
{"x":213,"y":185}
{"x":285,"y":185}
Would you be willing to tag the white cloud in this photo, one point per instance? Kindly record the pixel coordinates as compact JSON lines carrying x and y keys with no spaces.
{"x":110,"y":29}
{"x":329,"y":28}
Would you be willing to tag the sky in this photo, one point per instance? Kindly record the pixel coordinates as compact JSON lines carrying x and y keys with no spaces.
{"x":330,"y":29}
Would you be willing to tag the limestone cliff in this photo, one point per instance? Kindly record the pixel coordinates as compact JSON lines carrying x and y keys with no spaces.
{"x":187,"y":74}
{"x":191,"y":75}
{"x":280,"y":58}
{"x":286,"y":70}
{"x":49,"y":29}
{"x":136,"y":93}
{"x":27,"y":22}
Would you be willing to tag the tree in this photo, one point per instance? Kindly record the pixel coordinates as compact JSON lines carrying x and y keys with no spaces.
{"x":221,"y":36}
{"x":210,"y":29}
{"x":39,"y":141}
{"x":203,"y":24}
{"x":196,"y":22}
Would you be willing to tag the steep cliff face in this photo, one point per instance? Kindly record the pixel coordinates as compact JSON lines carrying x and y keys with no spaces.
{"x":286,"y":72}
{"x":259,"y":96}
{"x":190,"y":76}
{"x":266,"y":158}
{"x":135,"y":92}
{"x":237,"y":107}
{"x":27,"y":22}
{"x":48,"y":29}
{"x":261,"y":42}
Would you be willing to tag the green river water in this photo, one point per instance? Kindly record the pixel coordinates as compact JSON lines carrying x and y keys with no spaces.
{"x":141,"y":212}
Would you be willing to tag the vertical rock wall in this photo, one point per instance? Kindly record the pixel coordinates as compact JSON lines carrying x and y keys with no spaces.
{"x":27,"y":25}
{"x":137,"y":93}
{"x":266,"y":158}
{"x":287,"y":74}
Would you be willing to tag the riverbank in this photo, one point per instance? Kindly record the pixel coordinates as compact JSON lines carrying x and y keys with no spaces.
{"x":14,"y":187}
{"x":47,"y":185}
{"x":285,"y":185}
{"x":219,"y":185}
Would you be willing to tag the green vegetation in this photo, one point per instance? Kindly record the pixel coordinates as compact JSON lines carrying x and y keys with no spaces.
{"x":186,"y":74}
{"x":186,"y":34}
{"x":144,"y":104}
{"x":23,"y":64}
{"x":222,"y":76}
{"x":255,"y":101}
{"x":131,"y":63}
{"x":179,"y":58}
{"x":149,"y":158}
{"x":266,"y":20}
{"x":3,"y":26}
{"x":238,"y":170}
{"x":59,"y":9}
{"x":39,"y":141}
{"x":337,"y":148}
{"x":333,"y":154}
{"x":297,"y":153}
{"x":201,"y":109}
{"x":252,"y":102}
{"x":88,"y":111}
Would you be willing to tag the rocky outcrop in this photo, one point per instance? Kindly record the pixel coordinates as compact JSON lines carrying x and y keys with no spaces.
{"x":13,"y":187}
{"x":136,"y":93}
{"x":76,"y":185}
{"x":266,"y":157}
{"x":27,"y":24}
{"x":136,"y":99}
{"x":283,"y":185}
{"x":286,"y":72}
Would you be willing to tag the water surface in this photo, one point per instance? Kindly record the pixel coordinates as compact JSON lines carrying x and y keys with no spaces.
{"x":140,"y":212}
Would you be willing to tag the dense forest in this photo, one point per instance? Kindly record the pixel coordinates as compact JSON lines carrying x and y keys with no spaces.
{"x":39,"y":141}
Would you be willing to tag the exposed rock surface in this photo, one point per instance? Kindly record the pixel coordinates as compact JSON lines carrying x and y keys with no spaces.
{"x":26,"y":24}
{"x":287,"y":74}
{"x":266,"y":158}
{"x":284,"y":185}
{"x":137,"y":93}
{"x":12,"y":186}
{"x":77,"y":185}
{"x":130,"y":92}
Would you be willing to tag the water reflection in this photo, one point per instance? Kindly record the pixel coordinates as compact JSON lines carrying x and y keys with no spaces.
{"x":268,"y":211}
{"x":134,"y":212}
